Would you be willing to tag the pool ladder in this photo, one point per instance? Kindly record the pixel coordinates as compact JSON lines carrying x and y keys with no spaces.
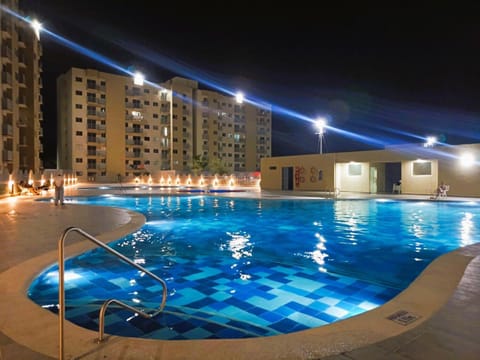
{"x":103,"y":309}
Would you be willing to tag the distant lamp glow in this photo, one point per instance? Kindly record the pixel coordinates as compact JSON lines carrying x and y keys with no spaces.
{"x":138,"y":79}
{"x":320,"y":124}
{"x":467,"y":159}
{"x":431,"y":140}
{"x":239,"y":98}
{"x":37,"y":27}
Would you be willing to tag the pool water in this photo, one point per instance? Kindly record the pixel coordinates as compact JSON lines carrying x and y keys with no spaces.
{"x":239,"y":268}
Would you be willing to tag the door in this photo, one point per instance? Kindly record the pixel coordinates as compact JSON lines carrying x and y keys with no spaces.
{"x":287,"y":178}
{"x":373,"y":180}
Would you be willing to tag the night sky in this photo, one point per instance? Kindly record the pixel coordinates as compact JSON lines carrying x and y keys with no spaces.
{"x":390,"y":74}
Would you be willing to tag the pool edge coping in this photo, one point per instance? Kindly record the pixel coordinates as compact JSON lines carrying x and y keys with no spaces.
{"x":444,"y":273}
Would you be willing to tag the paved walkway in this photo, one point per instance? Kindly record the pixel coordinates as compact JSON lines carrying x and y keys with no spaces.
{"x":445,"y":301}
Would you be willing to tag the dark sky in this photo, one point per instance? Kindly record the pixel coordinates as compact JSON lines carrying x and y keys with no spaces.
{"x":387,"y":73}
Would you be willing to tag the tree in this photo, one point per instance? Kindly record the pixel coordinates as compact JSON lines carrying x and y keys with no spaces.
{"x":216,"y":167}
{"x":199,"y":164}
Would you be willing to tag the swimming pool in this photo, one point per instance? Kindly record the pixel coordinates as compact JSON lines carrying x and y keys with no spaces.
{"x":257,"y":267}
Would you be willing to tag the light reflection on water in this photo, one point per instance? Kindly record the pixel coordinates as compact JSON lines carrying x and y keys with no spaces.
{"x":386,"y":242}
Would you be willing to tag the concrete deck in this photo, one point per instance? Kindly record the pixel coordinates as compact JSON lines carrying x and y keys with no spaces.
{"x":445,"y":299}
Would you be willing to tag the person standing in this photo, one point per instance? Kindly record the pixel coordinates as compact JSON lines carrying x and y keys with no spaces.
{"x":59,"y":189}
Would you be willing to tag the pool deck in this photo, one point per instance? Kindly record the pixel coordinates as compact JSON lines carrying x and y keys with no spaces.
{"x":441,"y":309}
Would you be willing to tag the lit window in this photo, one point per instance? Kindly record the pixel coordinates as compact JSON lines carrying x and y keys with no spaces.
{"x":354,"y":169}
{"x":421,"y":168}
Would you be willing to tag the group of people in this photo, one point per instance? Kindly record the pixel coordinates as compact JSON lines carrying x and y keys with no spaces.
{"x":25,"y":187}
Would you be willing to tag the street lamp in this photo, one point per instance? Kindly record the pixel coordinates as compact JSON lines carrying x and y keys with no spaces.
{"x":431,"y":140}
{"x":239,"y":97}
{"x":37,"y":27}
{"x":138,"y":78}
{"x":320,"y":124}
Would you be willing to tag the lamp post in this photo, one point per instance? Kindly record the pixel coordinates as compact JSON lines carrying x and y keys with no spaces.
{"x":430,"y":141}
{"x":320,"y":124}
{"x":239,"y":97}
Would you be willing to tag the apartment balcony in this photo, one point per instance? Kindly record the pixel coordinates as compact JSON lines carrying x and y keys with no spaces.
{"x":100,"y":140}
{"x":22,"y":62}
{"x":6,"y":52}
{"x":7,"y":155}
{"x":7,"y":104}
{"x":133,"y":130}
{"x":6,"y":78}
{"x":133,"y":142}
{"x":22,"y":143}
{"x":133,"y":92}
{"x":22,"y":80}
{"x":134,"y":117}
{"x":6,"y":27}
{"x":132,"y":154}
{"x":22,"y":101}
{"x":20,"y":40}
{"x":7,"y":130}
{"x":133,"y":105}
{"x":101,"y":166}
{"x":22,"y":123}
{"x":96,"y":87}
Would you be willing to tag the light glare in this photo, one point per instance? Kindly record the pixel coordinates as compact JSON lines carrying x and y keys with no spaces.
{"x":239,"y":98}
{"x":138,"y":79}
{"x":467,"y":159}
{"x":37,"y":27}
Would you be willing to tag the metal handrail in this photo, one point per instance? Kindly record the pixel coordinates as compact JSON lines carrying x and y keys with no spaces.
{"x":103,"y":309}
{"x":61,"y":282}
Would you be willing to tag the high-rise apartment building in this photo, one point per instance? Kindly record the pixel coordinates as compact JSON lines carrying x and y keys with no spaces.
{"x":21,"y":119}
{"x":109,"y":126}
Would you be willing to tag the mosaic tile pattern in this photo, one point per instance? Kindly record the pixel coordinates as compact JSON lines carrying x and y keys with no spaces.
{"x":207,"y":301}
{"x":244,"y":267}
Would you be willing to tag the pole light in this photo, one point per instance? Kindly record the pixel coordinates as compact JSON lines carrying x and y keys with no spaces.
{"x":138,"y":78}
{"x":320,"y":124}
{"x":37,"y":27}
{"x":239,"y":97}
{"x":430,"y":141}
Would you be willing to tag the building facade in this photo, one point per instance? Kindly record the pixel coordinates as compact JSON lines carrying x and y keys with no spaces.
{"x":21,"y":119}
{"x":109,"y":127}
{"x":418,"y":169}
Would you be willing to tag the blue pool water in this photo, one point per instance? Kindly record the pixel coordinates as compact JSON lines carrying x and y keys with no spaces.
{"x":240,"y":268}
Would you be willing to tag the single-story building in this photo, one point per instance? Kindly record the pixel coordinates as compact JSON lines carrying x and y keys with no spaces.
{"x":409,"y":169}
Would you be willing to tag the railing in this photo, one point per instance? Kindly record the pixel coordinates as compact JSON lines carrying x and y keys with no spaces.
{"x":61,"y":286}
